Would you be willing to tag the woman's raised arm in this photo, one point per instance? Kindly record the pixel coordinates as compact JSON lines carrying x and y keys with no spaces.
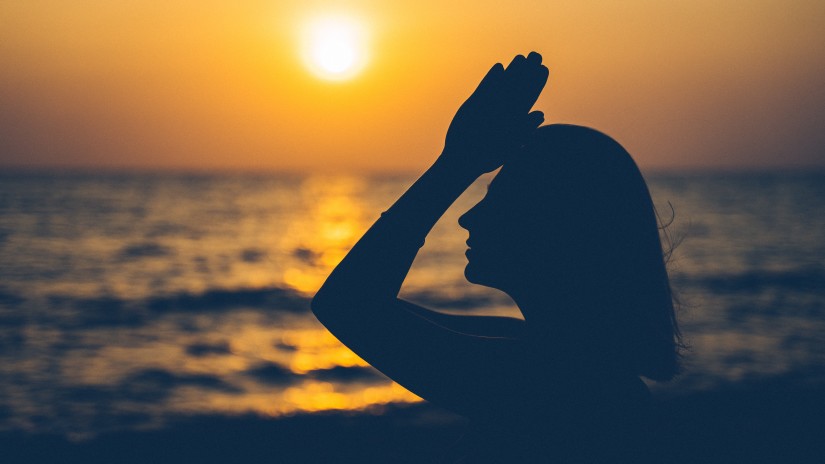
{"x":426,"y":351}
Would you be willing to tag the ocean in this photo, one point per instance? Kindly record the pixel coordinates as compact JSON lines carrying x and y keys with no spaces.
{"x":128,"y":300}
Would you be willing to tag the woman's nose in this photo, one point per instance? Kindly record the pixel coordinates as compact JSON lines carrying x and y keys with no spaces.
{"x":462,"y":221}
{"x":467,"y":219}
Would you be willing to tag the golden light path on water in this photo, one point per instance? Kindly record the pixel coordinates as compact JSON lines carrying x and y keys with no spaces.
{"x":321,"y":238}
{"x":327,"y":232}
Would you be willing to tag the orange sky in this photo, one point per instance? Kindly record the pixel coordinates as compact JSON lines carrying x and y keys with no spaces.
{"x":208,"y":84}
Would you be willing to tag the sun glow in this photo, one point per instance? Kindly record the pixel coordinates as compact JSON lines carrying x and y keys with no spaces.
{"x":335,"y":47}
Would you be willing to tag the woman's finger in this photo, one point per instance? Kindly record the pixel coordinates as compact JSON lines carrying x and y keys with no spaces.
{"x":517,"y":64}
{"x":534,"y":58}
{"x":492,"y":77}
{"x":535,"y":84}
{"x":525,"y":79}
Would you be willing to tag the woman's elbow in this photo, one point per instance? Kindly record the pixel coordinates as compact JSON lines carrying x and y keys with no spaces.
{"x":336,"y":308}
{"x":330,"y":306}
{"x":322,"y":304}
{"x":332,"y":294}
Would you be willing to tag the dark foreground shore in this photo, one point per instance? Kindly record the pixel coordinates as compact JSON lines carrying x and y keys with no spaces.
{"x":779,"y":421}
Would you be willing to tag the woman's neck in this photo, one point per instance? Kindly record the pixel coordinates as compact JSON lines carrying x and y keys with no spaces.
{"x":572,"y":330}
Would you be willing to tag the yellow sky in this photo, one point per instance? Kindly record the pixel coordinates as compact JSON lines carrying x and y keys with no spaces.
{"x":221,"y":85}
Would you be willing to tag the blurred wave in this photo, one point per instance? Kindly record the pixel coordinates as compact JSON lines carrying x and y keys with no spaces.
{"x":795,"y":280}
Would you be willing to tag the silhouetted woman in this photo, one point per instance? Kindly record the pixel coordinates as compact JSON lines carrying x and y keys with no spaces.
{"x":568,"y":230}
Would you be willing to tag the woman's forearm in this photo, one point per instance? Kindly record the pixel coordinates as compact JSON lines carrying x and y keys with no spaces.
{"x":376,"y":266}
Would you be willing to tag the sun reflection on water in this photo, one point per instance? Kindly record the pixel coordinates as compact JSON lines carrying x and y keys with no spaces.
{"x":321,"y":239}
{"x":316,"y":350}
{"x":159,"y":370}
{"x":319,"y":396}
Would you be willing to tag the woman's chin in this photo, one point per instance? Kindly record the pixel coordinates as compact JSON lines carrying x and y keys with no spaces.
{"x":477,"y":276}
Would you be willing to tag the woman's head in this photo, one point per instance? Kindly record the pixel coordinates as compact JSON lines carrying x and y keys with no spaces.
{"x":568,"y":223}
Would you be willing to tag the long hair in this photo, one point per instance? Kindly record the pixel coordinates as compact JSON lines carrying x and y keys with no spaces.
{"x":601,"y":225}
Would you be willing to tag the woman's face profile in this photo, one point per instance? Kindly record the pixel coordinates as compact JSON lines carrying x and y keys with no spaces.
{"x":499,"y":243}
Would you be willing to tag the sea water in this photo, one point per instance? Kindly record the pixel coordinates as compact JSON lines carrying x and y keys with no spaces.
{"x":128,"y":299}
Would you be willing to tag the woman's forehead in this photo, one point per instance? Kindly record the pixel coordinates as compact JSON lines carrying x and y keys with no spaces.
{"x":509,"y":177}
{"x":508,"y":188}
{"x":497,"y":183}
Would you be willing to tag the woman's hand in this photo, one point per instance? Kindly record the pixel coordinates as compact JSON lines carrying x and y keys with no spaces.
{"x":496,"y":120}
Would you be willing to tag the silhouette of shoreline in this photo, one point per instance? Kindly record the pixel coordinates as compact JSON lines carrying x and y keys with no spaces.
{"x":779,"y":419}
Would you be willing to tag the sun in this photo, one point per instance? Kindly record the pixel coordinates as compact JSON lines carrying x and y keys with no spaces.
{"x":335,"y":46}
